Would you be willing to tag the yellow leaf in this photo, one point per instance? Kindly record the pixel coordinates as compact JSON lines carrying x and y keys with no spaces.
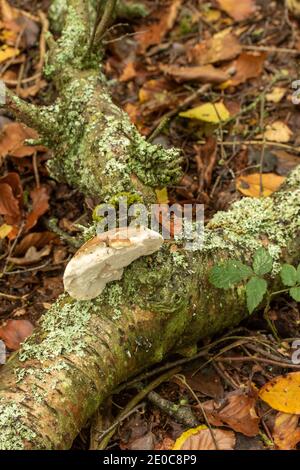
{"x":249,"y":185}
{"x":286,"y":432}
{"x":209,"y":112}
{"x":162,"y":196}
{"x":283,"y":393}
{"x":5,"y":230}
{"x":212,"y":15}
{"x":8,"y":52}
{"x":276,"y":95}
{"x":200,"y":438}
{"x":278,"y":132}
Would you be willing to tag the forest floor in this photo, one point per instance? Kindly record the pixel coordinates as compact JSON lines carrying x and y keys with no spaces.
{"x":239,"y":138}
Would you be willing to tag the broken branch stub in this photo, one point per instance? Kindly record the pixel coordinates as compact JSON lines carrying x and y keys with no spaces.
{"x":103,"y":259}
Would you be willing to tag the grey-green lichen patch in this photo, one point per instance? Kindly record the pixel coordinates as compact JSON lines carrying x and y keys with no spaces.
{"x":274,"y":221}
{"x":64,"y":329}
{"x":14,"y":432}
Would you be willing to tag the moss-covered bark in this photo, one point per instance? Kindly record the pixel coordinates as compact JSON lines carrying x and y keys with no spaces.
{"x":82,"y":350}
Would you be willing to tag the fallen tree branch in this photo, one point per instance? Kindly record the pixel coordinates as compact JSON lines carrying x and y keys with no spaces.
{"x":82,"y":350}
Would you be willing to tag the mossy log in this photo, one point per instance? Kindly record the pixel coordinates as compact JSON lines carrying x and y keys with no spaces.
{"x":82,"y":350}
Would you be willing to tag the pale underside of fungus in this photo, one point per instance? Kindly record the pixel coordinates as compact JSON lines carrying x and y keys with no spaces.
{"x":103,"y":259}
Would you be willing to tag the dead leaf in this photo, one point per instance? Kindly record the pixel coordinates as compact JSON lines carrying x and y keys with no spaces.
{"x":238,"y":413}
{"x":286,"y":432}
{"x":164,"y":19}
{"x":202,"y":73}
{"x":32,"y":256}
{"x":5,"y":230}
{"x":206,"y":382}
{"x":40,"y":205}
{"x":276,"y":95}
{"x":248,"y":65}
{"x":282,"y":393}
{"x":12,"y":140}
{"x":36,"y":239}
{"x":222,"y":46}
{"x":14,"y":332}
{"x":9,"y":205}
{"x":278,"y":131}
{"x":250,"y":185}
{"x":213,"y":113}
{"x":200,"y":438}
{"x":7,"y":52}
{"x":239,"y":11}
{"x":128,"y":73}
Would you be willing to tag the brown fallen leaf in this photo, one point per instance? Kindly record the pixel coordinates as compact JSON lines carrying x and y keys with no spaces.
{"x":11,"y":198}
{"x":14,"y":332}
{"x":164,"y":19}
{"x":238,"y":413}
{"x":129,"y":72}
{"x":286,"y":432}
{"x":238,"y":10}
{"x":40,"y":205}
{"x":14,"y":21}
{"x":12,"y":140}
{"x":278,"y":131}
{"x":200,"y":438}
{"x":32,"y":256}
{"x":248,"y":65}
{"x":202,"y":73}
{"x":222,"y":46}
{"x":37,"y":239}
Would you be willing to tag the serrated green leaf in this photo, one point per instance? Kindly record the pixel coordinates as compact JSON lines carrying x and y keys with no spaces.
{"x":255,"y":291}
{"x":298,"y":274}
{"x":229,"y":273}
{"x":295,"y":293}
{"x":263,"y":262}
{"x":288,"y":275}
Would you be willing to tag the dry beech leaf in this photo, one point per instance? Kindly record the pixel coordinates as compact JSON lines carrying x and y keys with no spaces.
{"x":208,"y":112}
{"x":222,"y":46}
{"x":7,"y":52}
{"x":200,"y":438}
{"x":286,"y":432}
{"x":238,"y":10}
{"x":278,"y":131}
{"x":248,"y":65}
{"x":9,"y":205}
{"x":40,"y":205}
{"x":153,"y":33}
{"x":37,"y":239}
{"x":32,"y":256}
{"x":12,"y":140}
{"x":14,"y":332}
{"x":202,"y":73}
{"x":238,"y":413}
{"x":128,"y":73}
{"x":250,"y":185}
{"x":283,"y":393}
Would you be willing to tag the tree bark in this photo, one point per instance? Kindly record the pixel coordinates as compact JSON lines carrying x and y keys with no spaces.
{"x":82,"y":350}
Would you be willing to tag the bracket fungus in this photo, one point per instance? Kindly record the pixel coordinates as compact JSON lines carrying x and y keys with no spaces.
{"x":103,"y":259}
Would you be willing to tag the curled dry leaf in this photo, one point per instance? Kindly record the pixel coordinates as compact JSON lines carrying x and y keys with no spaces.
{"x":32,"y":256}
{"x":282,"y":393}
{"x":164,"y":19}
{"x":202,"y":73}
{"x":286,"y":432}
{"x":11,"y":194}
{"x":238,"y":413}
{"x":12,"y":140}
{"x":14,"y":332}
{"x":37,"y":239}
{"x":257,"y":185}
{"x":40,"y":205}
{"x":248,"y":65}
{"x":239,"y":11}
{"x":200,"y":438}
{"x":222,"y":46}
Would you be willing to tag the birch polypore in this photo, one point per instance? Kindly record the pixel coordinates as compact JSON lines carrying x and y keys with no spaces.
{"x":103,"y":259}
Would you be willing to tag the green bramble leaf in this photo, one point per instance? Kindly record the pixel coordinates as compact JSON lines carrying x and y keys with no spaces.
{"x":263,"y":262}
{"x":298,"y":274}
{"x":288,"y":275}
{"x":224,"y":276}
{"x":295,"y":293}
{"x":256,"y":288}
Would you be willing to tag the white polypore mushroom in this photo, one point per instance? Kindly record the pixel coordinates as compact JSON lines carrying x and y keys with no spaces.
{"x":103,"y":259}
